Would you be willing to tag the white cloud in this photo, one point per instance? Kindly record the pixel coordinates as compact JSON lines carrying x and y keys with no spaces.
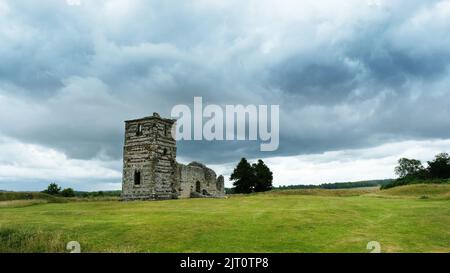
{"x":346,"y":165}
{"x":21,"y":161}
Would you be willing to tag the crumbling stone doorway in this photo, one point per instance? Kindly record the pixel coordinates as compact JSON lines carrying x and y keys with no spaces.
{"x":198,"y":187}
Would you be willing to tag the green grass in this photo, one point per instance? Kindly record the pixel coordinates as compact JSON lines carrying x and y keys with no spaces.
{"x":414,"y":181}
{"x":10,"y":196}
{"x":279,"y":221}
{"x":324,"y":192}
{"x":437,"y":191}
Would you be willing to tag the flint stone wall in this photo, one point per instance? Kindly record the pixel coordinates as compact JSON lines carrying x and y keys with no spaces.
{"x":150,"y":152}
{"x":196,"y":180}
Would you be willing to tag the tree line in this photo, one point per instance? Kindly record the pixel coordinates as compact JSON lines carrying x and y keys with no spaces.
{"x":339,"y":185}
{"x":410,"y":171}
{"x":54,"y":189}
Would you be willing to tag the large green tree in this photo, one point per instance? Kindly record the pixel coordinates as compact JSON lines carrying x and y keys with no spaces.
{"x":440,"y":167}
{"x":53,"y":189}
{"x":243,"y":177}
{"x":408,"y":168}
{"x":251,"y":178}
{"x":264,"y":177}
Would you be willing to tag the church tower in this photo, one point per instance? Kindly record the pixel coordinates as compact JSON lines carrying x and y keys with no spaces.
{"x":149,"y":159}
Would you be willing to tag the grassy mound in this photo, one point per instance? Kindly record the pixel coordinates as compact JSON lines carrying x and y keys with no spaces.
{"x":324,"y":192}
{"x":407,"y":181}
{"x":420,"y":191}
{"x":14,"y":196}
{"x":22,"y":203}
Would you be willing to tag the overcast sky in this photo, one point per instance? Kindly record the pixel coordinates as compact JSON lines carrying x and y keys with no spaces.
{"x":359,"y":83}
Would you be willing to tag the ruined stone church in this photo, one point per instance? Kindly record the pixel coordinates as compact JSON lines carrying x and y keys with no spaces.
{"x":150,"y":169}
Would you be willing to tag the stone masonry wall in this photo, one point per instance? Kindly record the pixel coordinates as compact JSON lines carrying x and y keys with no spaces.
{"x":150,"y":170}
{"x":151,"y":151}
{"x":196,"y":180}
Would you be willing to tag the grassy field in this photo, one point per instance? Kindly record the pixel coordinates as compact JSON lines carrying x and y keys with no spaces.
{"x":412,"y":218}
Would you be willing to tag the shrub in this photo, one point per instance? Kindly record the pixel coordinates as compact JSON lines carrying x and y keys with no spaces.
{"x":69,"y":192}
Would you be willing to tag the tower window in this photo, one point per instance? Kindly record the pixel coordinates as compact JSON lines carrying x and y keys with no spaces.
{"x":139,"y":130}
{"x":137,"y":178}
{"x":165,"y":151}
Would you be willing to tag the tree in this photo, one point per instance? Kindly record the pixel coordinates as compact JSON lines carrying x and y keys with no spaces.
{"x":53,"y":189}
{"x":264,"y":177}
{"x":439,"y":168}
{"x":69,"y":192}
{"x":409,"y":168}
{"x":251,"y":178}
{"x":243,"y":177}
{"x":411,"y":171}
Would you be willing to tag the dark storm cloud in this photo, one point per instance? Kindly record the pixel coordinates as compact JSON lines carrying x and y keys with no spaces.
{"x":318,"y":83}
{"x":391,"y":65}
{"x":70,"y":75}
{"x":41,"y":45}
